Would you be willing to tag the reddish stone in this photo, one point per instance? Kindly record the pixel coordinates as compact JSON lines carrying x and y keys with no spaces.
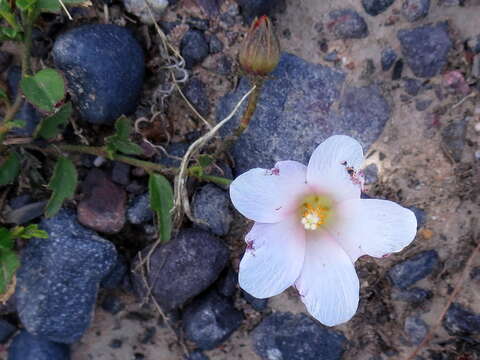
{"x":103,"y":206}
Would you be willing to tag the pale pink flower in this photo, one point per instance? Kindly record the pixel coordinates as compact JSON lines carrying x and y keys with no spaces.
{"x":311,"y":226}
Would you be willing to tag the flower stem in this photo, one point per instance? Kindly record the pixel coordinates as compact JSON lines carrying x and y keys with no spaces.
{"x":251,"y":107}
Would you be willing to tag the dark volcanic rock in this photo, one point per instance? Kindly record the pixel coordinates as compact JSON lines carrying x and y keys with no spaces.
{"x":347,"y":24}
{"x":412,"y":86}
{"x":426,"y":48}
{"x":253,"y":8}
{"x":296,"y":337}
{"x":416,"y":329}
{"x":420,"y":215}
{"x":295,"y":114}
{"x":28,"y":347}
{"x":453,"y":138}
{"x":397,"y":70}
{"x":140,"y":212}
{"x":195,"y":92}
{"x":103,"y":208}
{"x":388,"y":58}
{"x":194,"y":48}
{"x":184,"y":267}
{"x":257,"y":304}
{"x":414,"y":10}
{"x":114,"y":278}
{"x":413,"y":269}
{"x":104,"y":67}
{"x":58,"y":281}
{"x":210,"y":320}
{"x":461,"y":321}
{"x":26,"y":213}
{"x":211,"y":205}
{"x":415,"y":295}
{"x":196,"y":355}
{"x":375,"y":7}
{"x":6,"y":330}
{"x":121,"y":173}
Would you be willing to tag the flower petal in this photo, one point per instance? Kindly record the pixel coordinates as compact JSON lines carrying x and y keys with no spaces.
{"x":268,"y":196}
{"x":328,"y":283}
{"x":374,"y":227}
{"x":328,"y":167}
{"x":273,"y":259}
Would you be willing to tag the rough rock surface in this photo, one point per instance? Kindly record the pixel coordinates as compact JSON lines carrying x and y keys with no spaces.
{"x":413,"y":269}
{"x":104,"y":67}
{"x":26,"y":346}
{"x":184,"y":267}
{"x":58,"y":281}
{"x":212,"y":206}
{"x":296,"y":337}
{"x":295,"y":114}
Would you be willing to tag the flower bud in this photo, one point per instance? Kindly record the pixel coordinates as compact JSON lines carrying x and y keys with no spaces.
{"x":260,"y":51}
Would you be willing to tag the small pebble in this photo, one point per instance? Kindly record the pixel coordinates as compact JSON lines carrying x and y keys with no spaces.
{"x":388,"y":58}
{"x":347,"y":24}
{"x":416,"y":329}
{"x":397,"y":70}
{"x":414,"y":10}
{"x":422,"y":104}
{"x":375,"y":7}
{"x":140,"y":9}
{"x":194,"y":48}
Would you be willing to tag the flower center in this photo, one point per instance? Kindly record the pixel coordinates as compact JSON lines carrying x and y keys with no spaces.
{"x":315,"y":211}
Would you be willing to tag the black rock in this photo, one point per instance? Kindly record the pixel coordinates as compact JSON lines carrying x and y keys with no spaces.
{"x":415,"y":268}
{"x":415,"y":296}
{"x":416,"y":329}
{"x":414,"y":10}
{"x":27,"y":112}
{"x":412,"y":86}
{"x":197,"y":23}
{"x":375,"y":7}
{"x":5,"y":60}
{"x":422,"y":104}
{"x":453,"y":137}
{"x":397,"y":70}
{"x":215,"y":44}
{"x":29,"y":347}
{"x":224,"y":65}
{"x":26,"y":213}
{"x":140,"y":212}
{"x":420,"y":215}
{"x":19,"y":201}
{"x":475,"y":273}
{"x":114,"y":278}
{"x":112,"y":304}
{"x":121,"y":173}
{"x":116,"y":344}
{"x":211,"y":205}
{"x":196,"y":355}
{"x":255,"y":8}
{"x":296,"y":337}
{"x":58,"y":280}
{"x":6,"y":330}
{"x":331,"y":56}
{"x":210,"y":320}
{"x":194,"y":48}
{"x":194,"y":259}
{"x":176,"y":152}
{"x":195,"y":92}
{"x":104,"y":67}
{"x":388,"y":58}
{"x":461,"y":321}
{"x":227,"y":283}
{"x":295,"y":114}
{"x":257,"y":304}
{"x":426,"y":48}
{"x":347,"y":24}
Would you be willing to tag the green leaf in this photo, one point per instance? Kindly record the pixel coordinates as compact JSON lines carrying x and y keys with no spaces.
{"x":205,"y":160}
{"x":10,"y":169}
{"x":120,"y":142}
{"x":9,"y":263}
{"x":161,"y":201}
{"x":54,"y":5}
{"x":15,"y":124}
{"x":63,"y":184}
{"x":28,"y":232}
{"x":25,"y":5}
{"x":53,"y":125}
{"x":45,"y":89}
{"x":10,"y":33}
{"x":6,"y":239}
{"x":9,"y":16}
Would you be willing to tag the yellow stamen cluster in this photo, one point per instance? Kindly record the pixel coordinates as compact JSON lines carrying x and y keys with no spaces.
{"x":314,"y":216}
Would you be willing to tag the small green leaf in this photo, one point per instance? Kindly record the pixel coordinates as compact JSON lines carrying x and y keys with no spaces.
{"x":120,"y":142}
{"x":45,"y":89}
{"x":205,"y":160}
{"x":28,"y":232}
{"x":6,"y":239}
{"x":53,"y":125}
{"x":10,"y":33}
{"x":161,"y":201}
{"x":63,"y":184}
{"x":15,"y":124}
{"x":25,"y":5}
{"x":9,"y":263}
{"x":7,"y":13}
{"x":54,"y":5}
{"x":10,"y":169}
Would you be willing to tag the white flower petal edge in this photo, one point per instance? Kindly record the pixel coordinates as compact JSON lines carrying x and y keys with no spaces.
{"x":268,"y":196}
{"x":374,"y":227}
{"x":273,"y":259}
{"x":327,"y":169}
{"x":328,"y":284}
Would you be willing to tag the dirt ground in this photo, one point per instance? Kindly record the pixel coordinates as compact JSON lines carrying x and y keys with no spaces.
{"x":413,"y":169}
